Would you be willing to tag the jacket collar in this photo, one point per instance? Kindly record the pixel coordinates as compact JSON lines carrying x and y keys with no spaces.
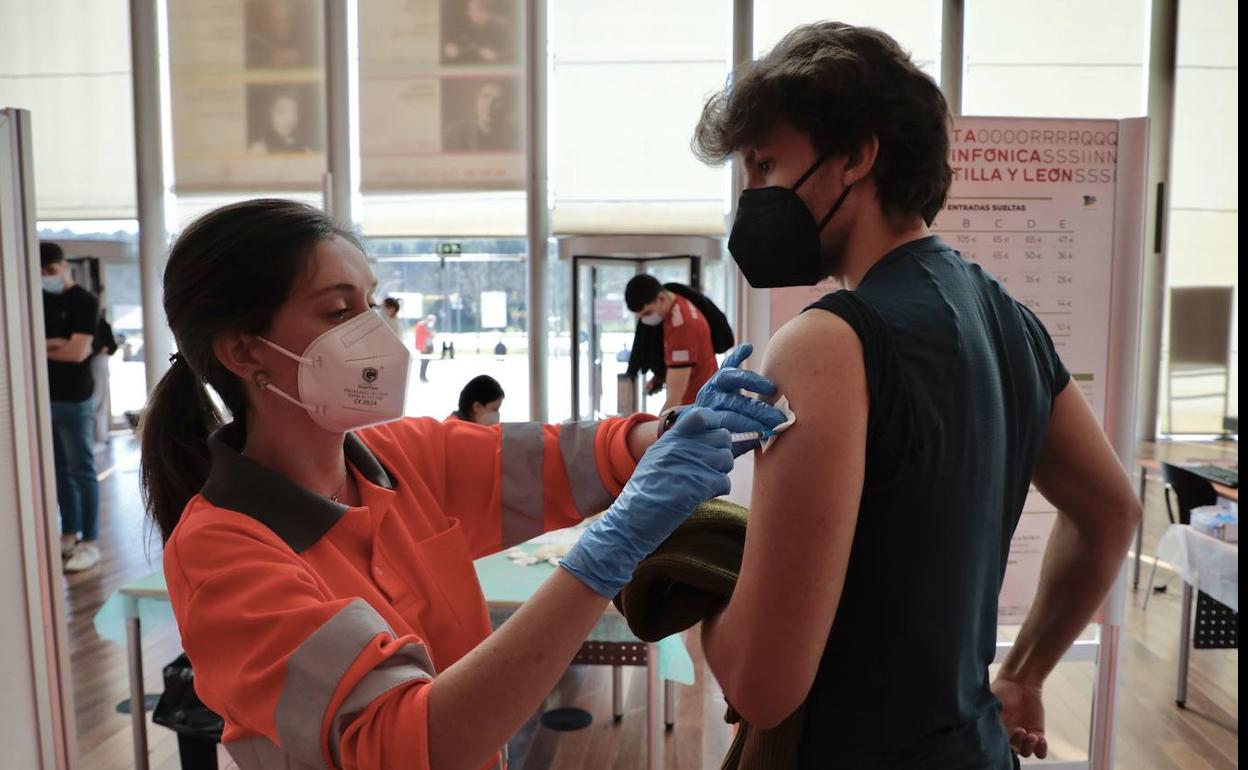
{"x":298,"y":516}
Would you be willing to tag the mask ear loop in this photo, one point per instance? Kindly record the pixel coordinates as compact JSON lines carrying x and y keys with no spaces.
{"x":835,"y":206}
{"x":815,"y":167}
{"x":262,"y":381}
{"x":286,"y":352}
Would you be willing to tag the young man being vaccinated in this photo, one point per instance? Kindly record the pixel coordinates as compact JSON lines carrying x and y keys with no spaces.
{"x":929,"y":399}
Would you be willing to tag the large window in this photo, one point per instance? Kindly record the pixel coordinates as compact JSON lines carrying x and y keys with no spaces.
{"x":1203,"y":241}
{"x":102,"y":256}
{"x":475,"y":292}
{"x":915,"y":24}
{"x":627,"y":87}
{"x":68,"y":62}
{"x":1056,"y":58}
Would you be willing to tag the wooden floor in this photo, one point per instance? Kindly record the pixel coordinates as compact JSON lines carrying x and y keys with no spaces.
{"x":1153,"y":734}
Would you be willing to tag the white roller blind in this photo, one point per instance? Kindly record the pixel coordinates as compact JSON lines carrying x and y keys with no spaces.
{"x":248,"y":101}
{"x":1056,"y":58}
{"x":68,"y":62}
{"x":1203,"y":242}
{"x":915,"y":24}
{"x":441,"y":95}
{"x":627,"y":87}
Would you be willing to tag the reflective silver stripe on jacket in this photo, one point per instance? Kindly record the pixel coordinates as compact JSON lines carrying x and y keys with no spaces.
{"x":523,"y":497}
{"x":315,"y":670}
{"x":576,"y":446}
{"x":260,"y":753}
{"x":411,"y":663}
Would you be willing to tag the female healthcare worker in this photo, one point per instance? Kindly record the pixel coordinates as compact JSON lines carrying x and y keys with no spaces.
{"x":321,"y":575}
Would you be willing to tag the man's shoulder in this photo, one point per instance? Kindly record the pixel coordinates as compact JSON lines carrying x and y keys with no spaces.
{"x":80,"y":296}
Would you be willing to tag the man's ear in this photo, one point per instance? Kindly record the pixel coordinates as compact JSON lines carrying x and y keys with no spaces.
{"x":236,"y":352}
{"x":861,"y":159}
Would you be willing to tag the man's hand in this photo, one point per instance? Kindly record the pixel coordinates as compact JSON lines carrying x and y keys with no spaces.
{"x":55,"y":343}
{"x":1022,"y":711}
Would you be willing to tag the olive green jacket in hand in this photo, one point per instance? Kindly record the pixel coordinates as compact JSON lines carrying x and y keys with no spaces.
{"x":688,"y":579}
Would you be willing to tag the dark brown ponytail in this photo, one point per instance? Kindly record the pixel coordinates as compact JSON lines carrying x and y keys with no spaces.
{"x":230,"y":270}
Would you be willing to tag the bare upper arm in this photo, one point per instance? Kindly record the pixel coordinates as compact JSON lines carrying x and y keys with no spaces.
{"x":804,"y":507}
{"x":1077,"y":469}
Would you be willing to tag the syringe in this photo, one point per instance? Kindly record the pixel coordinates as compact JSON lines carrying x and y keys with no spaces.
{"x":753,"y":435}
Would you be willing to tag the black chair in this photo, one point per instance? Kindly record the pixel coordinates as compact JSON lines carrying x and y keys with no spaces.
{"x":1191,"y":491}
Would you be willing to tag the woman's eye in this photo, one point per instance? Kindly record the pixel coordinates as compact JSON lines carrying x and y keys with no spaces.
{"x":766,"y":166}
{"x":341,"y":314}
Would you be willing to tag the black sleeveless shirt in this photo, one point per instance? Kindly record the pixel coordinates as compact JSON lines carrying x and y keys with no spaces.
{"x":961,"y":381}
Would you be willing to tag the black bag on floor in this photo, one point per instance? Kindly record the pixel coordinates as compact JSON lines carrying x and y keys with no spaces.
{"x":181,"y":710}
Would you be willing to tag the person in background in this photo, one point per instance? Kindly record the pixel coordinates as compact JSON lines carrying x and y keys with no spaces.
{"x":688,"y":351}
{"x":425,"y":332}
{"x":929,"y":400}
{"x":480,"y":401}
{"x":390,"y":311}
{"x":102,"y":348}
{"x":70,"y":316}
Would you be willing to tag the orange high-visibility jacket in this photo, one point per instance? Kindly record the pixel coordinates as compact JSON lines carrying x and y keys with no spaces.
{"x":315,"y":629}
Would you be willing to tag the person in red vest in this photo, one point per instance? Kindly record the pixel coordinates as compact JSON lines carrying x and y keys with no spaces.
{"x":425,"y":332}
{"x":688,"y":352}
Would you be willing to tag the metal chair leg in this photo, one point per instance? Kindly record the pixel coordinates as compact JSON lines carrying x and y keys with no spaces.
{"x":669,"y":704}
{"x":617,"y":692}
{"x":1148,"y":592}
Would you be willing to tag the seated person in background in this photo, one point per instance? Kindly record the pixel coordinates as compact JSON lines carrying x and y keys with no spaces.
{"x":688,"y":352}
{"x":480,"y":401}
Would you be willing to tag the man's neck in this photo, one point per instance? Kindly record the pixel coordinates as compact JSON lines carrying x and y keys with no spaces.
{"x":871,"y":240}
{"x":666,"y":300}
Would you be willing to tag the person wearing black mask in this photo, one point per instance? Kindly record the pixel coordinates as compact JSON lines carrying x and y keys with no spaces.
{"x":929,"y":401}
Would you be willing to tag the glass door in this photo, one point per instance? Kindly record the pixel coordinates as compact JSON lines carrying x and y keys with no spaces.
{"x":603,"y":330}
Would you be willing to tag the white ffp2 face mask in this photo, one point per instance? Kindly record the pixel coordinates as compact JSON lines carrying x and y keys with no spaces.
{"x":352,"y":376}
{"x":652,"y":320}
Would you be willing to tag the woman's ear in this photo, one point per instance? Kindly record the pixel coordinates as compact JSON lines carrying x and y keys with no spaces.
{"x":236,"y":352}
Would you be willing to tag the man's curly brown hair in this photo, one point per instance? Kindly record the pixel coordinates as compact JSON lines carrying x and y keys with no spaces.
{"x":842,"y":84}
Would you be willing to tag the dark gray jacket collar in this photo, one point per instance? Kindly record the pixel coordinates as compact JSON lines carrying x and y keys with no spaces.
{"x":298,"y":516}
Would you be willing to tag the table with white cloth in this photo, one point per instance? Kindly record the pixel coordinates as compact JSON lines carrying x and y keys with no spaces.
{"x":1205,"y":564}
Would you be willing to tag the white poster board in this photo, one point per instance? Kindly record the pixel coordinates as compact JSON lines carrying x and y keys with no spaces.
{"x":37,"y":711}
{"x":493,"y":310}
{"x":441,"y":95}
{"x":248,"y":94}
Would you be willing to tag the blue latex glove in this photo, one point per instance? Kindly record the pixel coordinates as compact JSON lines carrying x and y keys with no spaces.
{"x":687,"y":466}
{"x":742,"y":414}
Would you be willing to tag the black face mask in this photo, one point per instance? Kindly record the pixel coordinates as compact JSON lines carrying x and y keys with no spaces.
{"x":775,"y":240}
